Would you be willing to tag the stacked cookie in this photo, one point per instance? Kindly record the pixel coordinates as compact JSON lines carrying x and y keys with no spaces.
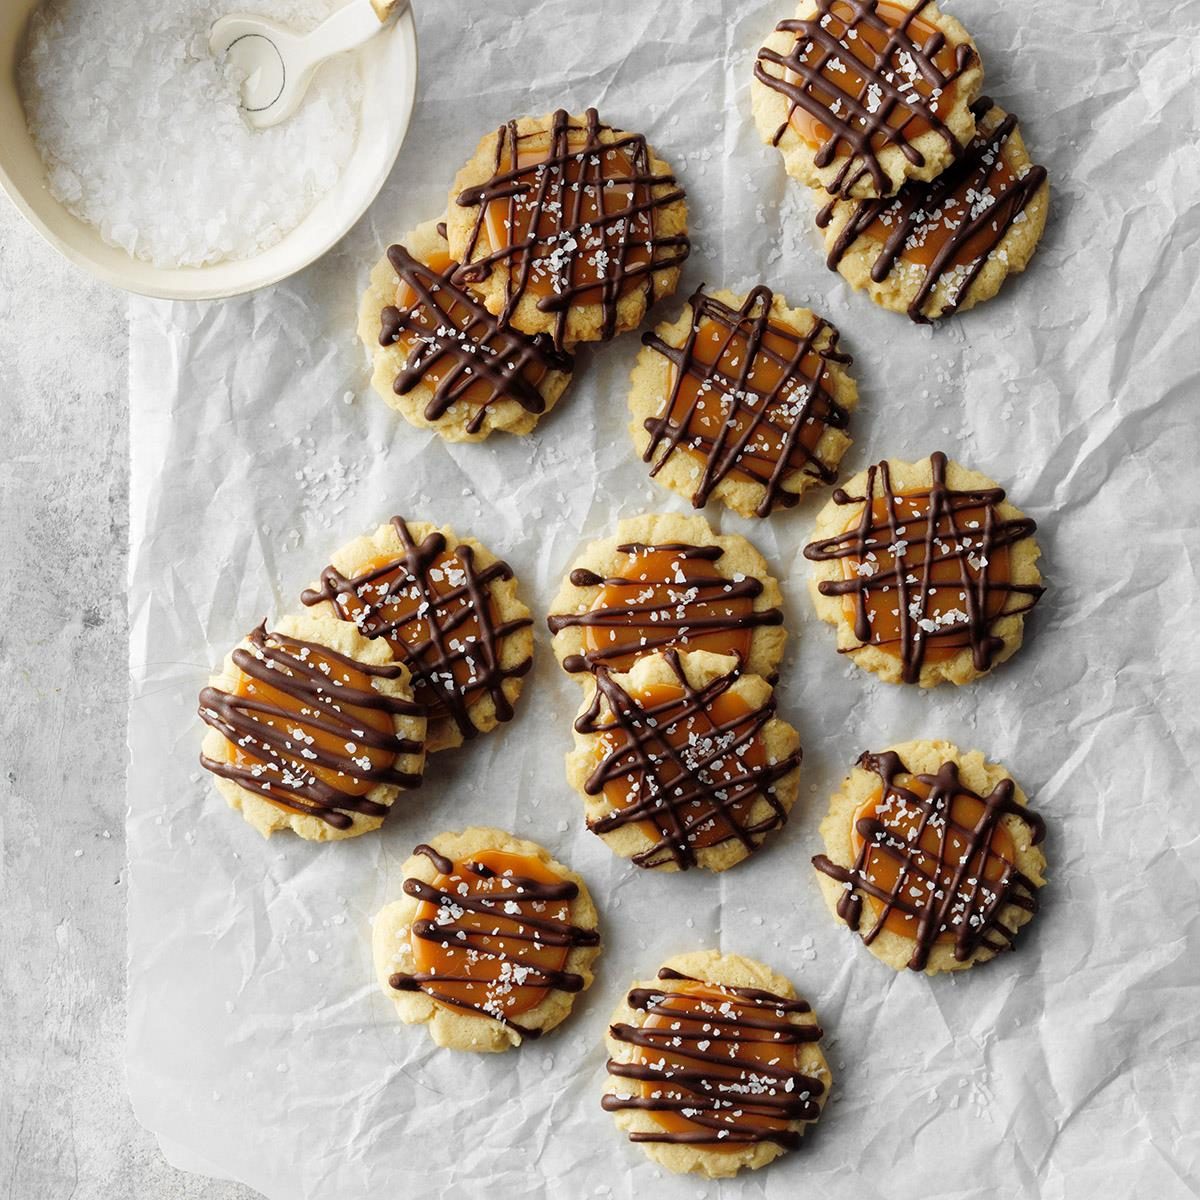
{"x":413,"y":640}
{"x":560,"y":230}
{"x":927,"y":197}
{"x":675,"y":634}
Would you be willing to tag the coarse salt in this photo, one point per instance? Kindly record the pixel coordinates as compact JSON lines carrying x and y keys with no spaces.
{"x":141,"y":135}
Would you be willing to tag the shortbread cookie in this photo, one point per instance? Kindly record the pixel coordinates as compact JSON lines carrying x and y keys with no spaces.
{"x":441,"y":359}
{"x":941,"y":247}
{"x":925,"y":570}
{"x":742,"y":399}
{"x":715,"y":1065}
{"x":312,"y":728}
{"x":489,"y":944}
{"x":666,"y":581}
{"x":449,"y":609}
{"x":860,"y":95}
{"x":682,"y":761}
{"x":932,"y":855}
{"x":567,"y":226}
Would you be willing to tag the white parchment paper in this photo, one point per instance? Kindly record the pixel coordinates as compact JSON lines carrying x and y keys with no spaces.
{"x":259,"y":1048}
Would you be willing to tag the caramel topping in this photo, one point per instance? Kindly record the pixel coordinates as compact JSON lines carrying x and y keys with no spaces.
{"x":949,"y":226}
{"x":934,"y":861}
{"x":687,"y":766}
{"x":492,"y":934}
{"x":308,"y":732}
{"x":435,"y":609}
{"x":927,"y":574}
{"x":907,"y":850}
{"x":718,"y":1068}
{"x":572,"y":222}
{"x":942,"y":565}
{"x":592,"y":186}
{"x":456,"y":347}
{"x":664,"y":596}
{"x":749,"y":398}
{"x":847,"y":73}
{"x":863,"y":75}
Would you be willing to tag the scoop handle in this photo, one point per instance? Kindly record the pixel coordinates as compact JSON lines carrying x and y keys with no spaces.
{"x":348,"y":28}
{"x":385,"y":10}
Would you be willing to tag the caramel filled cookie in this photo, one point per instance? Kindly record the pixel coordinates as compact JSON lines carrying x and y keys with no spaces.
{"x":742,"y":399}
{"x":682,"y":761}
{"x":861,"y":95}
{"x":490,"y":943}
{"x":449,"y":610}
{"x":942,"y":247}
{"x":925,"y":570}
{"x":312,"y":728}
{"x":932,"y":855}
{"x":568,"y":227}
{"x":667,"y":581}
{"x":441,"y":359}
{"x":715,"y":1065}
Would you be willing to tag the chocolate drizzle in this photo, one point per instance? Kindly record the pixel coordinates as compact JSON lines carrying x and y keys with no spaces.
{"x":434,"y":660}
{"x":761,"y":437}
{"x":528,"y":925}
{"x":863,"y":121}
{"x":456,"y":337}
{"x":562,"y":236}
{"x":677,"y":609}
{"x":690,"y":791}
{"x":910,"y":581}
{"x":282,"y":758}
{"x":973,"y":184}
{"x":946,"y":891}
{"x":705,"y":1073}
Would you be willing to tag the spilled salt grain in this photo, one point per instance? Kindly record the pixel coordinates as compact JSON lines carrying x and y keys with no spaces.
{"x":142,"y":138}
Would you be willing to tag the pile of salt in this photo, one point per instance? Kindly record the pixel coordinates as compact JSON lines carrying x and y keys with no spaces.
{"x":142,"y":138}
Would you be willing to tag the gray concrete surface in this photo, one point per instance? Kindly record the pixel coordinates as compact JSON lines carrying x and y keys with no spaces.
{"x":66,"y":1128}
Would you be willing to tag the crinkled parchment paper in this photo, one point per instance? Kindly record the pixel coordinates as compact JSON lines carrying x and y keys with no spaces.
{"x":259,"y":1048}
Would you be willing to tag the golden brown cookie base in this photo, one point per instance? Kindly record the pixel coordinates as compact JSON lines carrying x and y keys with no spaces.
{"x":731,"y":970}
{"x":585,"y":322}
{"x":977,"y":774}
{"x":461,"y":1029}
{"x":650,"y":390}
{"x":834,"y":518}
{"x":902,"y":284}
{"x":770,"y":109}
{"x":443,"y":732}
{"x":269,"y":818}
{"x":700,"y":668}
{"x":506,"y":416}
{"x":739,"y":559}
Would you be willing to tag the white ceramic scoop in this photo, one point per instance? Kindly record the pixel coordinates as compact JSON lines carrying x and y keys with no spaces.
{"x":279,"y":64}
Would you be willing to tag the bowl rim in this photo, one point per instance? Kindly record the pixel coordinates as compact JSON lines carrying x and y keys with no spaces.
{"x":170,"y":288}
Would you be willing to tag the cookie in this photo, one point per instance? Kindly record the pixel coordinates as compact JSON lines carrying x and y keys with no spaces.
{"x":861,"y":95}
{"x":932,"y":855}
{"x":567,"y":226}
{"x":929,"y":579}
{"x":312,"y":728}
{"x":666,"y":581}
{"x":682,"y":761}
{"x":742,"y":399}
{"x":449,"y":610}
{"x":942,"y":247}
{"x":715,"y":1065}
{"x":441,"y":359}
{"x":490,"y":943}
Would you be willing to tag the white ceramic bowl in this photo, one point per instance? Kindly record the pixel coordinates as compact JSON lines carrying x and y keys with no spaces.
{"x":389,"y":71}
